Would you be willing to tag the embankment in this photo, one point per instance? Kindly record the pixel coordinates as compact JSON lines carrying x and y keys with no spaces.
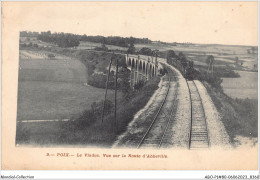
{"x":239,"y":116}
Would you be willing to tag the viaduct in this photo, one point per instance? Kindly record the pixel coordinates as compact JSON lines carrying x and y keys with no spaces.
{"x":142,"y":67}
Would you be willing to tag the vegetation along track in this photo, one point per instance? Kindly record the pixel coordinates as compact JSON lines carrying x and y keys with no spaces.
{"x":198,"y":129}
{"x":157,"y":134}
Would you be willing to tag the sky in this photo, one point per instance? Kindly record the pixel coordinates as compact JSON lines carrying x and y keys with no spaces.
{"x":196,"y":22}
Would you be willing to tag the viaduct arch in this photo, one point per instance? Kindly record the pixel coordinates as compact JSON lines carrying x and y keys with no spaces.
{"x":142,"y":67}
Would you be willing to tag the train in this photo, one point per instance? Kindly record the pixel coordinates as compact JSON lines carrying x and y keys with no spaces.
{"x":183,"y":65}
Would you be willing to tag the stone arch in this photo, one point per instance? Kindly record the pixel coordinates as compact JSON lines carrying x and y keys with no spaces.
{"x":133,"y":63}
{"x":129,"y":62}
{"x":141,"y":66}
{"x":153,"y":71}
{"x":147,"y":69}
{"x":144,"y":67}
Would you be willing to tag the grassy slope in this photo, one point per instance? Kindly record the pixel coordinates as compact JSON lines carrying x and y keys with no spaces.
{"x":53,"y":89}
{"x":92,"y":134}
{"x":239,"y":116}
{"x":71,"y":70}
{"x":55,"y":100}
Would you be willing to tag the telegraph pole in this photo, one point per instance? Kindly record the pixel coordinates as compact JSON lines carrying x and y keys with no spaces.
{"x":116,"y":92}
{"x":103,"y":111}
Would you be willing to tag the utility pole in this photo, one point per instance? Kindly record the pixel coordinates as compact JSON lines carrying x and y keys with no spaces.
{"x":103,"y":111}
{"x":116,"y":92}
{"x":155,"y":54}
{"x":212,"y":68}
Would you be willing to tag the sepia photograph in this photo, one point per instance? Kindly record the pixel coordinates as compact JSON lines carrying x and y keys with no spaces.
{"x":132,"y":76}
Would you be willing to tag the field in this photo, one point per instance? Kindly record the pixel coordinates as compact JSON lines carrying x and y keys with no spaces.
{"x":87,"y":131}
{"x":29,"y":54}
{"x":225,"y":57}
{"x":244,"y":87}
{"x":92,"y":45}
{"x":223,"y":54}
{"x":68,"y":70}
{"x":54,"y":89}
{"x":55,"y":100}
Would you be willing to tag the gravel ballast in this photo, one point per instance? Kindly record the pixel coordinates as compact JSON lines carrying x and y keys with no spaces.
{"x":181,"y":124}
{"x":218,"y":136}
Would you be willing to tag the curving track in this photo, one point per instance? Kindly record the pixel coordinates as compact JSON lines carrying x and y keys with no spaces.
{"x":198,"y":130}
{"x":157,"y":134}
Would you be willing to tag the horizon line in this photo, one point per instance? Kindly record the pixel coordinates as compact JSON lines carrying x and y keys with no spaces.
{"x":194,"y":43}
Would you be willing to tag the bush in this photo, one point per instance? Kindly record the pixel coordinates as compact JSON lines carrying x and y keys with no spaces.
{"x":139,"y":85}
{"x":239,"y":116}
{"x":92,"y":115}
{"x":162,"y":71}
{"x":99,"y":80}
{"x":51,"y":56}
{"x":145,"y":51}
{"x":102,"y":48}
{"x":214,"y":80}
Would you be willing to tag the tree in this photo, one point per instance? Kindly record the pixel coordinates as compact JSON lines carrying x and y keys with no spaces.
{"x":124,"y":80}
{"x":162,"y":71}
{"x":131,"y":49}
{"x":61,"y":39}
{"x":171,"y":54}
{"x":145,"y":51}
{"x":56,"y":38}
{"x":182,"y":57}
{"x":104,"y":47}
{"x":236,"y":59}
{"x":210,"y":60}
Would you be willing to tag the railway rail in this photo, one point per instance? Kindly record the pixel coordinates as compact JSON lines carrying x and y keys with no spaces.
{"x":198,"y":130}
{"x":157,"y":133}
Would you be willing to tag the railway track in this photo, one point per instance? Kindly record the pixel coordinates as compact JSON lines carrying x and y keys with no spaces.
{"x":157,"y":134}
{"x":198,"y":129}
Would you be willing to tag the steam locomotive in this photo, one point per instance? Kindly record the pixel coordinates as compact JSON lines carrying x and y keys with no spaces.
{"x":183,"y":65}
